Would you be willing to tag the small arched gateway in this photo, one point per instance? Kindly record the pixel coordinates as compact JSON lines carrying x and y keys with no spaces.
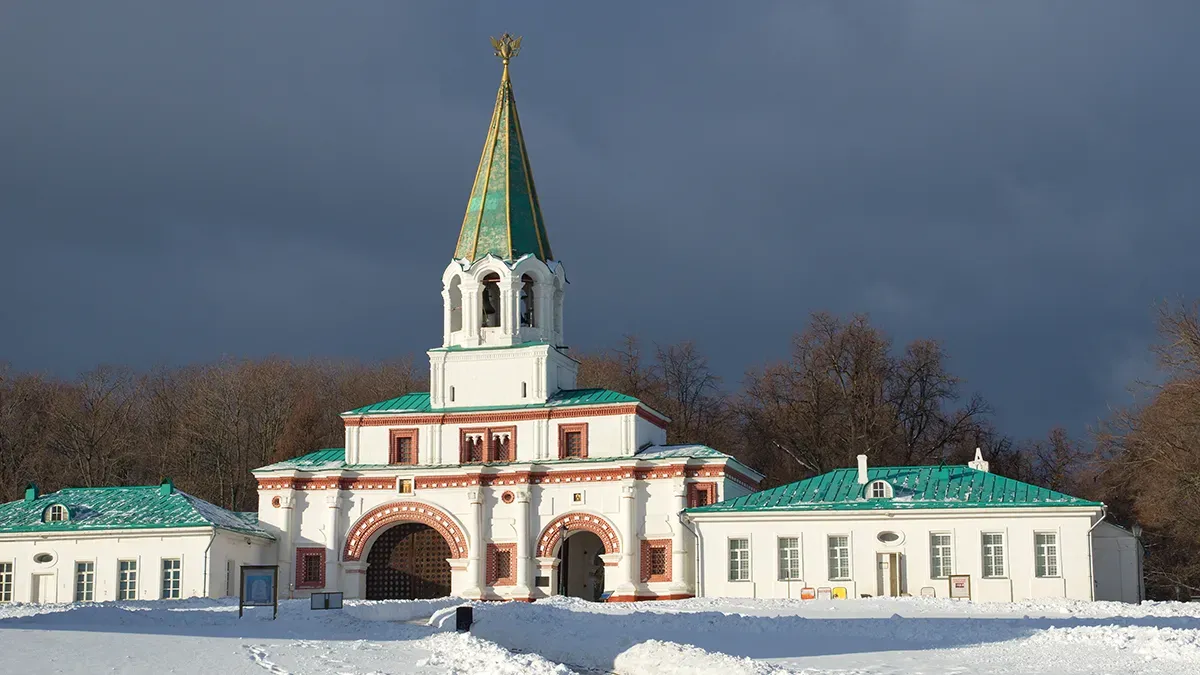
{"x":578,"y":541}
{"x":407,"y":546}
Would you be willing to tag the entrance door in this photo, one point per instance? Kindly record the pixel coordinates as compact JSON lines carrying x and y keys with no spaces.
{"x":43,"y":590}
{"x":887,"y":576}
{"x":408,"y":562}
{"x":580,"y":569}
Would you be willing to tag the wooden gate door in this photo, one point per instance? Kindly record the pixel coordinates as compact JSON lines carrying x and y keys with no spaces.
{"x":408,"y":562}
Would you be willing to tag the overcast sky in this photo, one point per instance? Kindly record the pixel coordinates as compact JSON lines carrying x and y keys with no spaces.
{"x":1020,"y":180}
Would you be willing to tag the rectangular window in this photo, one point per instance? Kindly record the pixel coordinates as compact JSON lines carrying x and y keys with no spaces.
{"x":993,"y":555}
{"x":172,"y":576}
{"x":839,"y":557}
{"x":127,"y":579}
{"x":940,"y":563}
{"x":1046,"y":554}
{"x":6,"y":582}
{"x":658,"y":561}
{"x":701,"y":494}
{"x":739,"y":560}
{"x":789,"y":558}
{"x":85,"y":581}
{"x":503,"y":564}
{"x":310,"y":567}
{"x":404,"y":446}
{"x":572,"y":441}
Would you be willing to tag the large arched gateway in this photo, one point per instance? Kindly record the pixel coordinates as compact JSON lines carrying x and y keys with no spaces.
{"x":407,"y":546}
{"x":408,"y":562}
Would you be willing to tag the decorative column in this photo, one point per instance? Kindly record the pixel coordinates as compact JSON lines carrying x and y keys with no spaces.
{"x":333,"y":540}
{"x":543,"y":310}
{"x":470,"y":318}
{"x":525,"y":548}
{"x":679,"y":545}
{"x":627,"y":569}
{"x":510,"y":311}
{"x":447,"y":310}
{"x":475,"y":547}
{"x":287,"y":553}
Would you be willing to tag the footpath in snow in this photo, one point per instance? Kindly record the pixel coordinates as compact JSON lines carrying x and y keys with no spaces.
{"x":561,"y":636}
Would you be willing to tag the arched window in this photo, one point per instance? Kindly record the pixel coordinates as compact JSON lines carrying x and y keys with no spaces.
{"x":456,"y":318}
{"x":527,"y":302}
{"x":56,"y":513}
{"x":491,"y":301}
{"x":880,"y":489}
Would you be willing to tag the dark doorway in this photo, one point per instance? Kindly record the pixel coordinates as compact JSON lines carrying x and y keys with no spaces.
{"x":580,"y":569}
{"x":408,"y":562}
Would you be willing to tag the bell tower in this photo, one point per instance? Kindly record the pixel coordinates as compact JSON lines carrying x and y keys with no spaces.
{"x":502,"y":294}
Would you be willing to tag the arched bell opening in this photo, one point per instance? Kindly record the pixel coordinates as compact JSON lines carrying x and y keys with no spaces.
{"x":528,"y":301}
{"x":490,"y":309}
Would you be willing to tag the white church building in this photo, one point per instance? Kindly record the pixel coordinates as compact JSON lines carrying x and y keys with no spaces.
{"x":506,"y":481}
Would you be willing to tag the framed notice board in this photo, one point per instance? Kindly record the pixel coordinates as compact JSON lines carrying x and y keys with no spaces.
{"x":259,"y":588}
{"x":960,"y":586}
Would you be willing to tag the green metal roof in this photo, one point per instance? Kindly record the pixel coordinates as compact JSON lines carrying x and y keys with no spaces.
{"x":335,"y":458}
{"x":123,"y":508}
{"x":419,"y":402}
{"x":913,"y":487}
{"x":503,"y":215}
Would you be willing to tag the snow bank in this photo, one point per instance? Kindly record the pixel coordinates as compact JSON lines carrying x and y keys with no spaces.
{"x":398,"y":610}
{"x":462,"y":653}
{"x":655,"y":657}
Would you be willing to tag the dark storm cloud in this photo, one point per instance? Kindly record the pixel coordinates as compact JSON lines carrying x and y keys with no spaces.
{"x":1016,"y":179}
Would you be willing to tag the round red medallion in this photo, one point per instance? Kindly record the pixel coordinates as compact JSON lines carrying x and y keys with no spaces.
{"x":507,"y":497}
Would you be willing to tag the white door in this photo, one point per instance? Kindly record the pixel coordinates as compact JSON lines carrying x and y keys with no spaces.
{"x":43,"y":589}
{"x":887,"y":576}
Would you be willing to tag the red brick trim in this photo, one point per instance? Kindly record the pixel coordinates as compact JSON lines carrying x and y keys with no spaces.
{"x":648,"y":545}
{"x":596,"y":524}
{"x":695,"y":490}
{"x":301,"y":554}
{"x":512,"y":478}
{"x":327,"y":483}
{"x":407,"y":510}
{"x":563,"y":430}
{"x":493,"y":572}
{"x":393,"y":451}
{"x":506,"y":416}
{"x":652,"y":596}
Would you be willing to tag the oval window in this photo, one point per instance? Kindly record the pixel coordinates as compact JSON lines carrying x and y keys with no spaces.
{"x":43,"y":558}
{"x":888,"y":537}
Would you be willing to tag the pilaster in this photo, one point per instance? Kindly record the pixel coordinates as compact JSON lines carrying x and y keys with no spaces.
{"x":524,"y":548}
{"x":334,"y":504}
{"x":475,"y":547}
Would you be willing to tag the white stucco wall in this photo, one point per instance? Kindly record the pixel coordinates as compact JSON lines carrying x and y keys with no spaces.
{"x":965,"y":527}
{"x":1118,"y":564}
{"x":147,"y":547}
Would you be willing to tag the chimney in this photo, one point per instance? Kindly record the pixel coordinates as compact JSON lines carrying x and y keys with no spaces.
{"x":978,"y":464}
{"x":862,"y":469}
{"x":166,"y":488}
{"x":31,"y":492}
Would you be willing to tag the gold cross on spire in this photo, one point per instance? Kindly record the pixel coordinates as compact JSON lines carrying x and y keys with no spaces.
{"x":506,"y":47}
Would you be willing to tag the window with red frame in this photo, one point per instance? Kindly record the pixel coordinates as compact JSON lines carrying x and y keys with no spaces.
{"x":310,"y":568}
{"x":490,"y":444}
{"x":701,"y":494}
{"x":404,"y":446}
{"x":572,"y":441}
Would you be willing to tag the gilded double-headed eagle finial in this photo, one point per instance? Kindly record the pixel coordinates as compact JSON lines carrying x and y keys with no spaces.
{"x":506,"y":47}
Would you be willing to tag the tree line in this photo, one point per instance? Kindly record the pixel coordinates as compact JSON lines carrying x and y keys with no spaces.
{"x":845,"y":389}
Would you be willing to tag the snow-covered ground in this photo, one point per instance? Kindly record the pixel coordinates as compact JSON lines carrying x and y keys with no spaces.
{"x":561,"y":636}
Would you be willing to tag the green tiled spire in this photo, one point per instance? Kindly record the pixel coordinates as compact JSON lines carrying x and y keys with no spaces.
{"x":503,"y":215}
